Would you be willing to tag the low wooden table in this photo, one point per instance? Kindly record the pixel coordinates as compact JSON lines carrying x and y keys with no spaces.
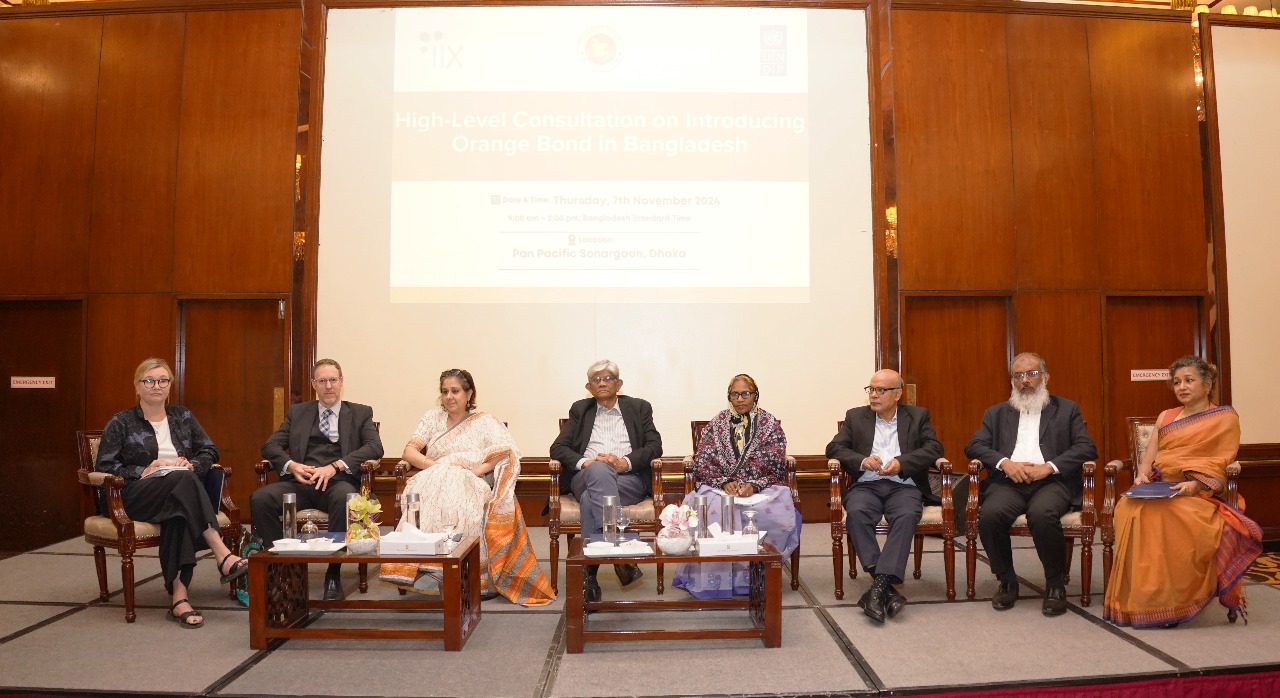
{"x":764,"y":602}
{"x":279,"y":605}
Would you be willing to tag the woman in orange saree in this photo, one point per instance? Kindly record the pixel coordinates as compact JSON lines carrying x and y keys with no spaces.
{"x":1174,"y":555}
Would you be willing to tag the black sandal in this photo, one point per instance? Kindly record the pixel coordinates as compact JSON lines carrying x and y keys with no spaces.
{"x":181,"y":619}
{"x":239,"y":569}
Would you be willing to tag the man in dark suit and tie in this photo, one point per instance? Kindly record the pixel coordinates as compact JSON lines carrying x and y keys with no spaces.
{"x":607,"y":448}
{"x":886,"y":448}
{"x":327,"y":440}
{"x":1032,"y":447}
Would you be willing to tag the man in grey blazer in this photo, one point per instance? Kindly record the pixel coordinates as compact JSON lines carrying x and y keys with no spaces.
{"x":607,"y":448}
{"x":886,"y":448}
{"x":327,"y":440}
{"x":1032,"y":447}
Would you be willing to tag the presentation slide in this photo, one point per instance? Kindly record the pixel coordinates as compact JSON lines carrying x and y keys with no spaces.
{"x":522,"y":190}
{"x":609,"y":148}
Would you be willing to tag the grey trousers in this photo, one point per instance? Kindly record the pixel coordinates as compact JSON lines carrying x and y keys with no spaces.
{"x":901,"y":506}
{"x":598,"y":480}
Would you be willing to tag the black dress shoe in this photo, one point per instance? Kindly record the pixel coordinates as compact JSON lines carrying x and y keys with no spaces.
{"x":590,"y":590}
{"x":333,"y":588}
{"x":1055,"y":602}
{"x":628,"y":574}
{"x":894,"y":602}
{"x":876,"y":599}
{"x":1006,"y":596}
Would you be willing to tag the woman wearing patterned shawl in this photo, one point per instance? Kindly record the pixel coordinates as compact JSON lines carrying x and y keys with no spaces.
{"x":469,"y":464}
{"x":742,"y":452}
{"x":1174,"y":555}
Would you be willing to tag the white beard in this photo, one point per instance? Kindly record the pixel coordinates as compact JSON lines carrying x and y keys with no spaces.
{"x":1030,"y":403}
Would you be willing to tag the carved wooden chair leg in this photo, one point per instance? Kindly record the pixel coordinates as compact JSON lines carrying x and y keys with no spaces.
{"x":837,"y":561}
{"x":795,"y":569}
{"x":100,"y":561}
{"x":364,"y":577}
{"x":919,"y":550}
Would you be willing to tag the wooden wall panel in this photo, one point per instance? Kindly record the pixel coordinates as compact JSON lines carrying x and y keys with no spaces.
{"x":236,"y":168}
{"x":136,"y":153}
{"x":123,"y":329}
{"x":1065,"y":328}
{"x":955,"y":178}
{"x":1150,"y":186}
{"x":49,"y":93}
{"x":954,"y":351}
{"x":1141,"y":333}
{"x":233,"y":358}
{"x":1054,"y":212}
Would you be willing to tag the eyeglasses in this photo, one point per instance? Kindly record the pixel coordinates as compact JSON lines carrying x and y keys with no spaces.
{"x":328,"y":381}
{"x":452,"y":373}
{"x":601,"y":379}
{"x":744,"y":394}
{"x":877,"y":390}
{"x":148,"y":382}
{"x":1026,"y":374}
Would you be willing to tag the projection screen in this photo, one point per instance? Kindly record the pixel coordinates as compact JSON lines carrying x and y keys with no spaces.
{"x":520,"y":191}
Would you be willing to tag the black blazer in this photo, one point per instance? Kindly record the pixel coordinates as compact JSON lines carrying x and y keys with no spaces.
{"x":1064,"y":440}
{"x":920,"y":447}
{"x":357,"y":437}
{"x":637,"y":414}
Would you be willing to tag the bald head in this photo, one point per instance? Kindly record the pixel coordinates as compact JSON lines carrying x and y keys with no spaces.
{"x":883,"y":393}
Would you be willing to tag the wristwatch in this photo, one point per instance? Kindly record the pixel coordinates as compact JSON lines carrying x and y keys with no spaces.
{"x":341,"y":466}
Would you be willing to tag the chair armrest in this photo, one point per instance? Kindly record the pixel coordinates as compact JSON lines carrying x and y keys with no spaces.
{"x":791,"y":481}
{"x":1088,"y":512}
{"x":262,"y":467}
{"x":946,"y":483}
{"x":225,"y":503}
{"x":834,"y":503}
{"x":971,"y":504}
{"x":1233,"y":475}
{"x":687,"y":463}
{"x":553,"y":495}
{"x":659,"y":500}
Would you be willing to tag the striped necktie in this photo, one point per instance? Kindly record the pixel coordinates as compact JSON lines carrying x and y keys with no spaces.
{"x":327,"y":425}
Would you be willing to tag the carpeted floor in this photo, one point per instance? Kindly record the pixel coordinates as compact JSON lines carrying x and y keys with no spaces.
{"x":1266,"y":570}
{"x":55,"y":638}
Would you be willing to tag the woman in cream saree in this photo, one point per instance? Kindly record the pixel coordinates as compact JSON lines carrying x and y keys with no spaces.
{"x":470,"y":480}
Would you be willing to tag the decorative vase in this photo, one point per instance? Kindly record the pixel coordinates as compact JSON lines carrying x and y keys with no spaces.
{"x":362,"y":546}
{"x":674,"y":541}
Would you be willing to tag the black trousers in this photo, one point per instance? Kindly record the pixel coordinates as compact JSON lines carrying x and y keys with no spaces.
{"x":1044,"y":502}
{"x":179,"y":503}
{"x":266,"y":502}
{"x":901,"y":506}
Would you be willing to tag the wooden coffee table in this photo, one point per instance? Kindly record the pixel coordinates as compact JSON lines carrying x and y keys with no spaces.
{"x":764,"y":602}
{"x":279,"y":607}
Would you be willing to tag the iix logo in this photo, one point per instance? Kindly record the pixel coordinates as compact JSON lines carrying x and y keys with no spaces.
{"x":440,"y":55}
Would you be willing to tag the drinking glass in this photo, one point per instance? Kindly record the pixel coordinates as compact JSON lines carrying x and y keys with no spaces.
{"x":448,"y":525}
{"x":749,"y":529}
{"x":623,"y":522}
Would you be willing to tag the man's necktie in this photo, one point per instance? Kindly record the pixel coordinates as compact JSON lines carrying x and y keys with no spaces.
{"x":327,"y":427}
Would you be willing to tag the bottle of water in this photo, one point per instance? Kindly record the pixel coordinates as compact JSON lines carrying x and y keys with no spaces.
{"x":289,"y":515}
{"x":609,"y":518}
{"x":728,"y":517}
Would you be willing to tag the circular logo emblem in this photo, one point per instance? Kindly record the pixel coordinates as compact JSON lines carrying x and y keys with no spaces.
{"x":601,"y":48}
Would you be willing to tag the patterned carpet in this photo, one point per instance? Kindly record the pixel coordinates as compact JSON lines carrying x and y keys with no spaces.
{"x":1266,"y":570}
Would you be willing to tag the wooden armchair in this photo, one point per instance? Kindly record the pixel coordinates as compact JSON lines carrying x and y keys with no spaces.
{"x":695,"y":431}
{"x":936,"y":520}
{"x":107,"y":525}
{"x":1139,"y":432}
{"x":565,"y":516}
{"x":319,"y":516}
{"x":1080,"y":525}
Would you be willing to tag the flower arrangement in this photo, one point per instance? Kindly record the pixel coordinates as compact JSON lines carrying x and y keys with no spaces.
{"x":362,"y":517}
{"x":677,"y":519}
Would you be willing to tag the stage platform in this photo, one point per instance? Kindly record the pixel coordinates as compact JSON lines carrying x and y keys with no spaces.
{"x":56,"y":638}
